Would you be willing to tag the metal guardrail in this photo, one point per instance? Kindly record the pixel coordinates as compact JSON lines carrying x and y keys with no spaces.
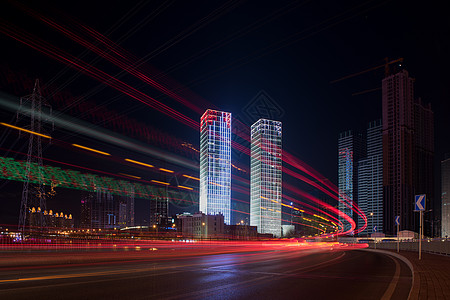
{"x":435,"y":246}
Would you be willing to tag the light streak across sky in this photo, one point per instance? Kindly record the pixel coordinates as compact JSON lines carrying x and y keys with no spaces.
{"x":122,"y":59}
{"x":26,"y":130}
{"x":90,"y":149}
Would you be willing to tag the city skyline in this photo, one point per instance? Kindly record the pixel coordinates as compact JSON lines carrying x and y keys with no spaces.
{"x":315,"y":100}
{"x":224,"y":149}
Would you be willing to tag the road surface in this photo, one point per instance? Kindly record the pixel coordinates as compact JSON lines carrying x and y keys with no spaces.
{"x":268,"y":274}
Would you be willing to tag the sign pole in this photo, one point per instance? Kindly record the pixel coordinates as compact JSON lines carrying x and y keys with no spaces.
{"x":397,"y":222}
{"x":420,"y":201}
{"x":375,"y":237}
{"x":398,"y":239}
{"x":420,"y":235}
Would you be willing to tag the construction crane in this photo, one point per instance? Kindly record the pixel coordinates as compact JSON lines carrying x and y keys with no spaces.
{"x":386,"y":73}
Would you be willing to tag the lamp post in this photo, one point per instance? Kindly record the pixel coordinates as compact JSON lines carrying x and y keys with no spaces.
{"x":375,"y":238}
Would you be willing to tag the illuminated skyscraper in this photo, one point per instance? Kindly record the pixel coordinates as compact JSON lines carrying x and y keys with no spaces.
{"x":215,"y":163}
{"x":370,"y":180}
{"x":265,"y":181}
{"x":351,"y":148}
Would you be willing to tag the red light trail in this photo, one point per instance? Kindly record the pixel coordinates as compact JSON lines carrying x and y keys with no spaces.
{"x":124,"y":62}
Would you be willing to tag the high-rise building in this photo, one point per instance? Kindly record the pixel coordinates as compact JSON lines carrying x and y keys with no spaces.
{"x":408,"y":152}
{"x":159,"y":211}
{"x":101,"y":210}
{"x":424,"y":160}
{"x":105,"y":211}
{"x":126,"y":211}
{"x":215,"y":163}
{"x":87,"y":198}
{"x":445,"y":177}
{"x":351,"y":148}
{"x":398,"y":149}
{"x":370,"y":181}
{"x":265,"y":179}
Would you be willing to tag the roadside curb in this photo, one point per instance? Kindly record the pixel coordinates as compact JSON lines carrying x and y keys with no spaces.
{"x":414,"y":292}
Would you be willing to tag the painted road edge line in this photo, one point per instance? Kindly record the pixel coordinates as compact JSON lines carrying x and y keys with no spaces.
{"x":414,"y":291}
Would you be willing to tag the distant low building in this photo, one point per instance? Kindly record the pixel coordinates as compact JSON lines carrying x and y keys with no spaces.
{"x":241,"y":232}
{"x":377,"y":235}
{"x":200,"y":225}
{"x":265,"y":236}
{"x":52,"y":220}
{"x":287,"y":230}
{"x":408,"y":234}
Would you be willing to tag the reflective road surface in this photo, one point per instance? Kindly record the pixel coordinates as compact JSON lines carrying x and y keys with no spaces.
{"x":266,"y":274}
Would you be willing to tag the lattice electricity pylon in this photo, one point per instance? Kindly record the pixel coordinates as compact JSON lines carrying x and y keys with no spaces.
{"x":33,"y":194}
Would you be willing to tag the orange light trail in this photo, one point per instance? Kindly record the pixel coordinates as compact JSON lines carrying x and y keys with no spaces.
{"x":132,"y":176}
{"x":165,"y":170}
{"x":26,"y":130}
{"x":160,"y":182}
{"x":139,"y":163}
{"x":191,"y":177}
{"x":90,"y":149}
{"x":185,"y":187}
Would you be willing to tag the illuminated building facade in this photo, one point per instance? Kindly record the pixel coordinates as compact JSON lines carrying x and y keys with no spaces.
{"x":215,"y":163}
{"x":52,"y":220}
{"x":351,"y":148}
{"x":370,"y":180}
{"x":445,"y":177}
{"x":200,"y":225}
{"x":265,"y":180}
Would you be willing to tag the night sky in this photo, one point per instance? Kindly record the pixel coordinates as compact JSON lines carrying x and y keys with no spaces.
{"x":224,"y":55}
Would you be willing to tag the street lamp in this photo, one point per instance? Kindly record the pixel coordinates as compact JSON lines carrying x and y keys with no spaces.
{"x":375,"y":238}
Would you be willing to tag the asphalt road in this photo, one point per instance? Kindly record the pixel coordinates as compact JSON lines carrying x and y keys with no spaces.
{"x":288,"y":274}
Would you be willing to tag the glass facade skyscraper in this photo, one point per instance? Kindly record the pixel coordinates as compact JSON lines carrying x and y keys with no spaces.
{"x":215,"y":163}
{"x":351,"y":147}
{"x":370,"y":180}
{"x":265,"y":181}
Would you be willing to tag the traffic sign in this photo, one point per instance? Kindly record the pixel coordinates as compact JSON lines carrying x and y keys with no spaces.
{"x":420,"y":202}
{"x":397,"y":220}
